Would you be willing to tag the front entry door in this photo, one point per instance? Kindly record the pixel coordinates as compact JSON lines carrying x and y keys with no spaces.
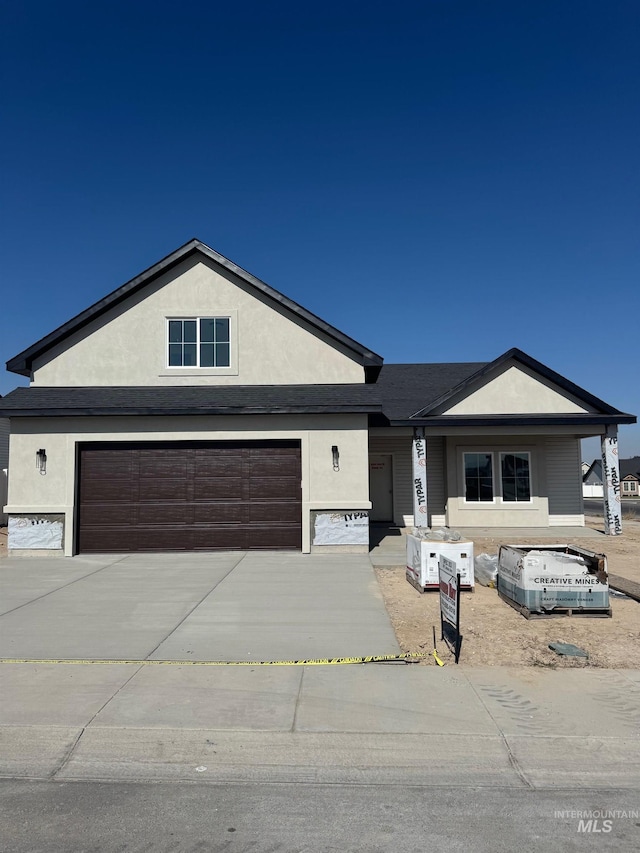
{"x":381,"y":487}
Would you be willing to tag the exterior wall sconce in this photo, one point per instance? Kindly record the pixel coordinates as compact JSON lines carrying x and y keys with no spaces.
{"x":335,"y":453}
{"x":41,"y":461}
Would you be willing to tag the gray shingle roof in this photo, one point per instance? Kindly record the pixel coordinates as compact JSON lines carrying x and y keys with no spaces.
{"x":407,"y":388}
{"x":630,"y":466}
{"x":403,"y":394}
{"x":201,"y":399}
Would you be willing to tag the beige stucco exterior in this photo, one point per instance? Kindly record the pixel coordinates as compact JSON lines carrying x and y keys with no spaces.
{"x":515,"y":390}
{"x":322,"y":487}
{"x":128,"y":345}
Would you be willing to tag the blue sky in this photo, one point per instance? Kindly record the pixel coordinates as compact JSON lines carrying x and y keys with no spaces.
{"x":441,"y":180}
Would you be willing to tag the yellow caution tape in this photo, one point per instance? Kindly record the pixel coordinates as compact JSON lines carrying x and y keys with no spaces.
{"x":409,"y":657}
{"x":438,"y":661}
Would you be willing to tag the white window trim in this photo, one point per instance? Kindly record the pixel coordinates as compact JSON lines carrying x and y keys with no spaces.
{"x":498,"y":500}
{"x":216,"y":313}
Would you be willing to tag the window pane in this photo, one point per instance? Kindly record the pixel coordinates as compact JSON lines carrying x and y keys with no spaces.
{"x":175,"y":331}
{"x":222,"y":355}
{"x":516,"y":481}
{"x":508,"y":489}
{"x":508,"y":465}
{"x":206,"y":355}
{"x":478,"y":477}
{"x":486,"y":490}
{"x":206,"y":332}
{"x":190,"y":331}
{"x":189,"y":356}
{"x":222,"y":330}
{"x":175,"y":355}
{"x":472,"y":490}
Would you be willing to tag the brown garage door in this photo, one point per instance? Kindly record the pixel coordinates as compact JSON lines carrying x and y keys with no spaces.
{"x":189,"y":496}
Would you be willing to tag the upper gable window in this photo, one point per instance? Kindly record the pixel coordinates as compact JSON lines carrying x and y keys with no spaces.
{"x":199,"y":342}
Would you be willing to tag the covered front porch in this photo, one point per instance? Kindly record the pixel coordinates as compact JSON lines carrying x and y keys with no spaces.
{"x":524,"y":478}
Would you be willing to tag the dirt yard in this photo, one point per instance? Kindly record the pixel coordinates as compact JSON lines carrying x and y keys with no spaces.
{"x":496,"y":635}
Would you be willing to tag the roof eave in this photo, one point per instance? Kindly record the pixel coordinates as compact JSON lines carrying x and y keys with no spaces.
{"x":122,"y":411}
{"x":517,"y":420}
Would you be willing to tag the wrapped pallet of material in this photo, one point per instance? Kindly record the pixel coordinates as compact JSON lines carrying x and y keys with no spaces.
{"x":543,"y":579}
{"x":422,"y":561}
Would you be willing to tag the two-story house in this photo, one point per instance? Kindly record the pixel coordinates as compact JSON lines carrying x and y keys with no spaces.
{"x":195,"y":407}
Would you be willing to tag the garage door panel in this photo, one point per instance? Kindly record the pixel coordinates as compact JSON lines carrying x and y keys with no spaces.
{"x":268,"y":537}
{"x":122,"y":513}
{"x":224,"y":537}
{"x":98,"y":464}
{"x":222,"y":513}
{"x":162,"y":513}
{"x":185,"y":496}
{"x":220,"y":488}
{"x":161,"y":490}
{"x":281,"y":466}
{"x":208,"y":465}
{"x":274,"y":512}
{"x":107,"y":491}
{"x":273,"y":487}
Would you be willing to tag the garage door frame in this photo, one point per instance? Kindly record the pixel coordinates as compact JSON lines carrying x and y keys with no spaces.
{"x":240,"y":444}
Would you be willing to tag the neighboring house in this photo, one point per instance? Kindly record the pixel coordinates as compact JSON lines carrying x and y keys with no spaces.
{"x":197,"y":408}
{"x":4,"y":464}
{"x":585,"y":467}
{"x":630,"y":477}
{"x":592,"y":485}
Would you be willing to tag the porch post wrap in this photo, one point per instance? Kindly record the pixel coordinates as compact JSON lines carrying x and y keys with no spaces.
{"x":611,"y":481}
{"x":420,"y":518}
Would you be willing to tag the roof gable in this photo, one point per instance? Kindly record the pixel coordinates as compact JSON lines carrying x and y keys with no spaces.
{"x":515,"y":384}
{"x":23,"y":362}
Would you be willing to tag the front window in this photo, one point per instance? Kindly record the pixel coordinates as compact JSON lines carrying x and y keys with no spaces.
{"x":199,"y":342}
{"x":508,"y":483}
{"x":478,"y":477}
{"x":516,"y":478}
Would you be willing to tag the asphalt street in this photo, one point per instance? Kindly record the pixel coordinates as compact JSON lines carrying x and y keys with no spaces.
{"x":53,"y":817}
{"x":630,"y":508}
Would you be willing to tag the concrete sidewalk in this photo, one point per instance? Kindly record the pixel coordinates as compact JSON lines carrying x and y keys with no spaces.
{"x":375,"y":723}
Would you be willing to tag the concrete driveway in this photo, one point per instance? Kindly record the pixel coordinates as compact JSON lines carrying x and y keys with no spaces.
{"x":215,"y":606}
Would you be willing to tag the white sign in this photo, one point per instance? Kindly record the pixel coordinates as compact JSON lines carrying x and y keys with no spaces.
{"x":419,"y":478}
{"x":448,"y":590}
{"x":26,"y":532}
{"x":341,"y":528}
